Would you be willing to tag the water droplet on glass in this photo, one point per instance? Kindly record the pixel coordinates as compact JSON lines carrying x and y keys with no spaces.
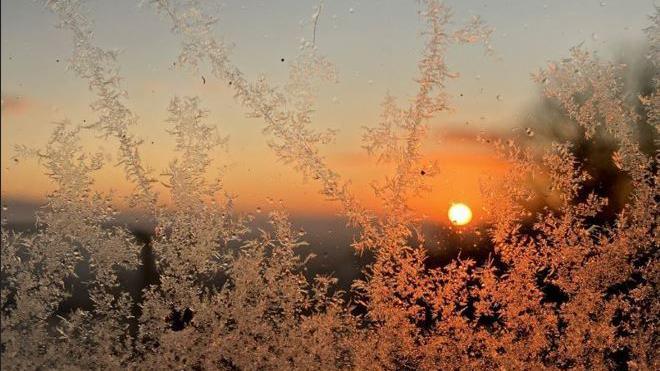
{"x":529,"y":132}
{"x":499,"y":97}
{"x":351,"y":10}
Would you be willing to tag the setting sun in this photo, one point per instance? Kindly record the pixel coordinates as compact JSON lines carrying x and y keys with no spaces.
{"x":460,"y":214}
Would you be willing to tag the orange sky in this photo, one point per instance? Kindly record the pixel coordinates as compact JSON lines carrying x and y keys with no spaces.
{"x":256,"y":176}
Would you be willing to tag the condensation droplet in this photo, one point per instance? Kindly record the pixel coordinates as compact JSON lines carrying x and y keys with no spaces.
{"x":529,"y":132}
{"x":499,"y":97}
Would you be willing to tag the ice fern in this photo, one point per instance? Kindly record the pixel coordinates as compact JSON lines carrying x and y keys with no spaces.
{"x":559,"y":290}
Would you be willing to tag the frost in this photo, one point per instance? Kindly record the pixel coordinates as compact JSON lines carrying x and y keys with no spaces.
{"x":559,"y":290}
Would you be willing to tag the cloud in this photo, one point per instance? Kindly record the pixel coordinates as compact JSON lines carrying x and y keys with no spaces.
{"x":456,"y":144}
{"x":463,"y":133}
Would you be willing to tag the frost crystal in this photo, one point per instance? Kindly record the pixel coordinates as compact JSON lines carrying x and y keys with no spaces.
{"x":562,"y":288}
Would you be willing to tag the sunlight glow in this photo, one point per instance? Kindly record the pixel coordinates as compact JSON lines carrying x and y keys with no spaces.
{"x":460,"y":214}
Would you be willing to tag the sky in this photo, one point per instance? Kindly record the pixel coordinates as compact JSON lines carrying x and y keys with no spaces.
{"x":375,"y":46}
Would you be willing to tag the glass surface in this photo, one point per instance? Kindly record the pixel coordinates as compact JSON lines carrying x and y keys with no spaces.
{"x":334,"y":184}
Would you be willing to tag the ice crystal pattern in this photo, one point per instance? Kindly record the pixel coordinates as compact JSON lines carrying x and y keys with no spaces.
{"x":230,"y":297}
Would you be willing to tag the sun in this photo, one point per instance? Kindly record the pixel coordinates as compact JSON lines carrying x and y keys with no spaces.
{"x":460,"y":214}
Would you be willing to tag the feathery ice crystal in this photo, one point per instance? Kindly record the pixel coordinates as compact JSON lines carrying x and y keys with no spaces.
{"x":559,"y":290}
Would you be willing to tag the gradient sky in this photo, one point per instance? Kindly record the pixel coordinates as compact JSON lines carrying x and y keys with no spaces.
{"x":375,"y":46}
